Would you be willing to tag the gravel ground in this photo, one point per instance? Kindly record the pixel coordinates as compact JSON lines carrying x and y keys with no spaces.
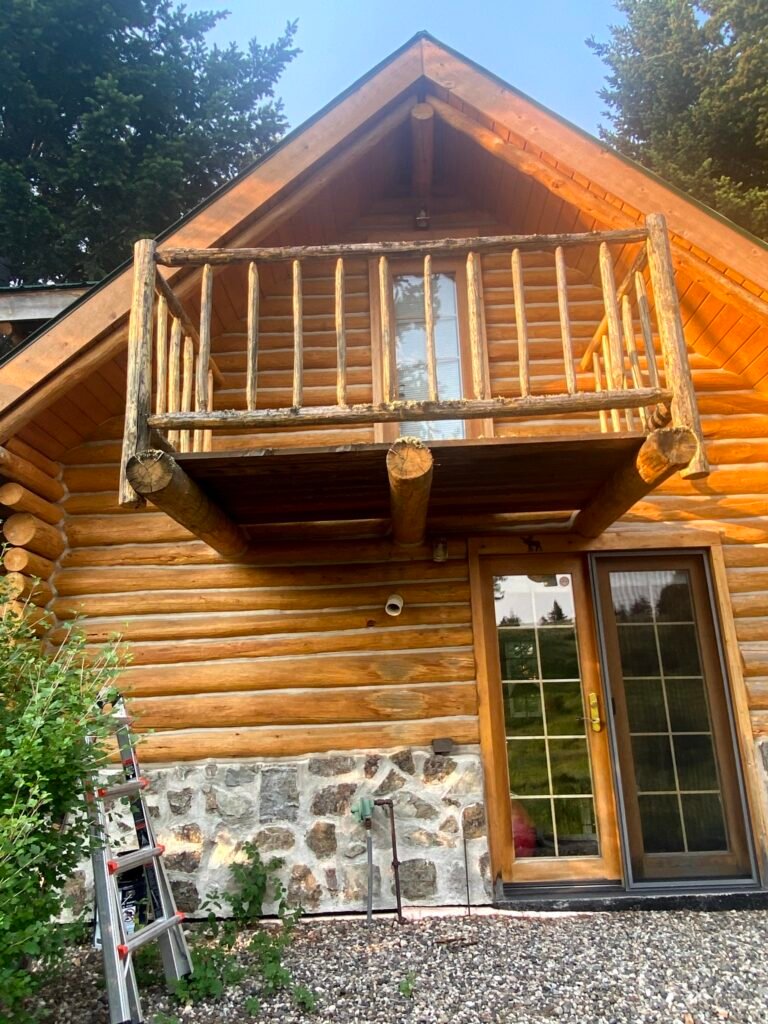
{"x":602,"y":968}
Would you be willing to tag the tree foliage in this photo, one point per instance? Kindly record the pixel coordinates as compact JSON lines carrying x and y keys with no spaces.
{"x":687,"y":96}
{"x":117,"y":117}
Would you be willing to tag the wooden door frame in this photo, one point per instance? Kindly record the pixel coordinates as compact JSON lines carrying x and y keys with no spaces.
{"x":605,"y":867}
{"x":654,"y":538}
{"x":723,"y":730}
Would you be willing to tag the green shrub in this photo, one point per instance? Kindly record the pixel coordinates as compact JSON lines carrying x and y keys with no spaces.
{"x":214,"y":950}
{"x":47,"y":710}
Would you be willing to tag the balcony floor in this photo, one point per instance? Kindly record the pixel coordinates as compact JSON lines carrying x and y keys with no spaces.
{"x":470,"y":477}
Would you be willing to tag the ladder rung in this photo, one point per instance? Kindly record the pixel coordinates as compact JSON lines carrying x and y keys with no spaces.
{"x":134,"y":860}
{"x":150,"y":932}
{"x":122,"y":789}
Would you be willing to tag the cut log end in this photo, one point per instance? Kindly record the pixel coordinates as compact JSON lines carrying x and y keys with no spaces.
{"x":156,"y":475}
{"x":409,"y":468}
{"x":150,"y":471}
{"x":663,"y":453}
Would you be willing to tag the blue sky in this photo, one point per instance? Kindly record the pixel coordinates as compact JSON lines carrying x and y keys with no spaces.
{"x":537,"y":46}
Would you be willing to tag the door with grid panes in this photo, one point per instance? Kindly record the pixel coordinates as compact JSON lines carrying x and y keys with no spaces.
{"x":683,"y":808}
{"x":557,"y":814}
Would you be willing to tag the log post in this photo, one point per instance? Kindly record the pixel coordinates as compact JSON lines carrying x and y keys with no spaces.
{"x":161,"y":385}
{"x":429,"y":330}
{"x":685,"y":412}
{"x":174,"y":375}
{"x":476,"y":333}
{"x":185,"y":439}
{"x":644,"y":312}
{"x":561,"y":273}
{"x":599,"y":387}
{"x":521,"y":323}
{"x":253,"y":336}
{"x":298,"y":336}
{"x":609,"y":377}
{"x":389,"y":370}
{"x":662,"y":453}
{"x":341,"y":334}
{"x":157,"y":476}
{"x":409,"y":468}
{"x":204,"y":348}
{"x":614,"y":370}
{"x":139,"y":376}
{"x":631,"y":346}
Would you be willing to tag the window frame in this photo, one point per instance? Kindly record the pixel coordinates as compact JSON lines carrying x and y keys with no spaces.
{"x":475,"y":428}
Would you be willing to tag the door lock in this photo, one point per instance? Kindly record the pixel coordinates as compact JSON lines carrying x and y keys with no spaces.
{"x":594,"y":712}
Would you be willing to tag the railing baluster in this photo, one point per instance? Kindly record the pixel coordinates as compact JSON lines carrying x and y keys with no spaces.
{"x":252,"y":368}
{"x":616,"y":371}
{"x":599,"y":387}
{"x":204,"y":351}
{"x":476,"y":339}
{"x":610,"y":378}
{"x":208,"y":434}
{"x":161,"y":350}
{"x":298,"y":337}
{"x":186,"y":389}
{"x":644,"y":310}
{"x":139,"y":374}
{"x":385,"y":312}
{"x":631,"y":345}
{"x":521,"y":322}
{"x":429,"y":326}
{"x":174,"y":378}
{"x":561,"y":273}
{"x":341,"y":334}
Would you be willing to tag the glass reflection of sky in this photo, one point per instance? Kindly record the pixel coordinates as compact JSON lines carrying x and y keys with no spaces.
{"x":538,"y":600}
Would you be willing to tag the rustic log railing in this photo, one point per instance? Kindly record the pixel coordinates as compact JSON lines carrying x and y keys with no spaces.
{"x":621,"y":380}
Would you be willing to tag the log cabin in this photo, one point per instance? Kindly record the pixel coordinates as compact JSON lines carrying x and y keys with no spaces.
{"x":426,"y":461}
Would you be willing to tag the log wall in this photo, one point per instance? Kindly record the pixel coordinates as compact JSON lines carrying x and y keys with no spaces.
{"x":294,"y":652}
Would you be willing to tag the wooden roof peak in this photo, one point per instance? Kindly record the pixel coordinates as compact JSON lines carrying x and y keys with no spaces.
{"x":95,"y":327}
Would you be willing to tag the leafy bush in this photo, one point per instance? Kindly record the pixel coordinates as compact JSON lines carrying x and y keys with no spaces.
{"x":214,"y":956}
{"x":47,"y":711}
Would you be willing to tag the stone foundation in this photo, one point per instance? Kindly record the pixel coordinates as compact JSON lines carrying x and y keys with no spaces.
{"x":299,"y":809}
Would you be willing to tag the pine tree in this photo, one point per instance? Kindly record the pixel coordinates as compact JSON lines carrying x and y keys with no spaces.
{"x":687,"y":96}
{"x":117,"y":117}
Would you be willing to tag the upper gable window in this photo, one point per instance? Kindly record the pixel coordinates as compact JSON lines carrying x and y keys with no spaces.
{"x":411,"y":348}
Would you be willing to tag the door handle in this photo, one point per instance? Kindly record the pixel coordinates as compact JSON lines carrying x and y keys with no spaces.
{"x":595,"y":720}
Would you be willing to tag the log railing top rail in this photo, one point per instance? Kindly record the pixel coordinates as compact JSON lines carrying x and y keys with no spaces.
{"x":614,"y":374}
{"x":442,"y":246}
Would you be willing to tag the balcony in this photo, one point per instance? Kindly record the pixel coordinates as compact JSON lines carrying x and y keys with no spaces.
{"x":575,"y":416}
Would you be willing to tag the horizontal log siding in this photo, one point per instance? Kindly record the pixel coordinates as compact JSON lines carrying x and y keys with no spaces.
{"x":291,"y":654}
{"x":297,"y":655}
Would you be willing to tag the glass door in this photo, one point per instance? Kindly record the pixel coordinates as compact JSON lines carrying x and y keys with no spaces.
{"x":685,"y":817}
{"x":558,"y":812}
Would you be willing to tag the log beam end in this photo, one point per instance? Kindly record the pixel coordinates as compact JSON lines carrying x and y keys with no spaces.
{"x":409,"y":469}
{"x":156,"y":475}
{"x":663,"y":453}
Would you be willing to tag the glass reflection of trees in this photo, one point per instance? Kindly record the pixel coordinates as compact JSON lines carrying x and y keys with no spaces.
{"x":411,"y":343}
{"x":548,"y":759}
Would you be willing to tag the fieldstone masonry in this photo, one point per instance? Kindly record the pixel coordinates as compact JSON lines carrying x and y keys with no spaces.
{"x":299,"y":809}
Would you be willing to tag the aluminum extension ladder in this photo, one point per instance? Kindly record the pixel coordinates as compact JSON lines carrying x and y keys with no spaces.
{"x":117,"y":945}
